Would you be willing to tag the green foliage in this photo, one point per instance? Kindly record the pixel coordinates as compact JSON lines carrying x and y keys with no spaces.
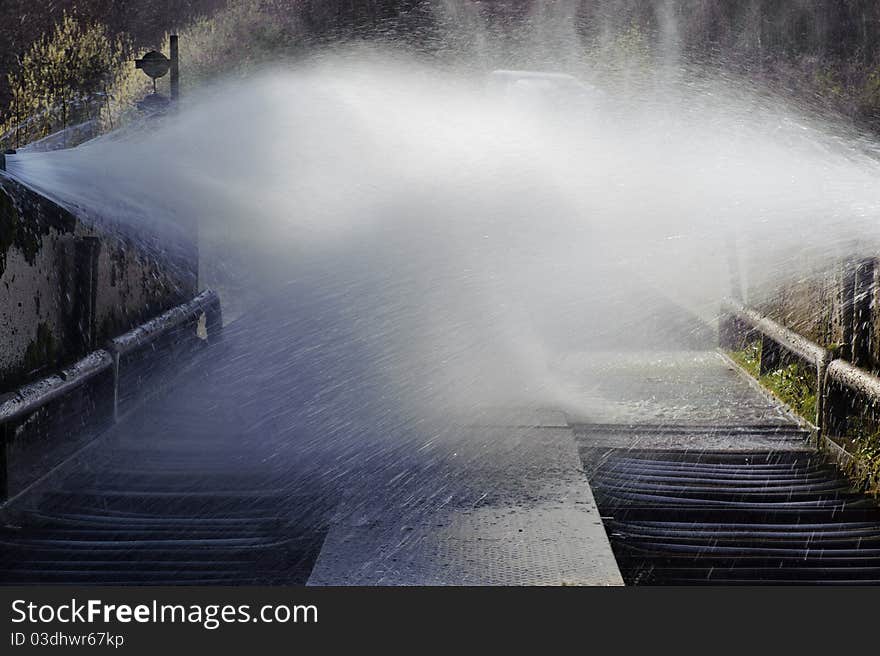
{"x":829,"y":53}
{"x":793,"y":384}
{"x":796,"y":387}
{"x":235,"y":39}
{"x":866,"y":470}
{"x":62,"y":79}
{"x":77,"y":72}
{"x":828,"y":83}
{"x":749,"y":358}
{"x":869,"y":97}
{"x":863,"y":444}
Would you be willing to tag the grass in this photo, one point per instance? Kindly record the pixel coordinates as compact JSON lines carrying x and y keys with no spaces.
{"x":749,"y":358}
{"x":863,"y":439}
{"x":793,"y":383}
{"x":796,"y":386}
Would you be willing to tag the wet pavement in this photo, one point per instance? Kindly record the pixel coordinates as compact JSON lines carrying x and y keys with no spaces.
{"x":254,"y":467}
{"x":677,"y":399}
{"x":502,"y":505}
{"x":246,"y":470}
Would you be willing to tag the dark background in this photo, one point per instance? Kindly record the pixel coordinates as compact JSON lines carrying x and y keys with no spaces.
{"x":827,"y":49}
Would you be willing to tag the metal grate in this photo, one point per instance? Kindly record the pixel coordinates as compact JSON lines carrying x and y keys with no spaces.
{"x":696,"y":517}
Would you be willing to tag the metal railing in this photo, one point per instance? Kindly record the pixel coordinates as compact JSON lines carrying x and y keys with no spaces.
{"x":207,"y":303}
{"x":18,"y":406}
{"x":738,"y":324}
{"x":838,"y":382}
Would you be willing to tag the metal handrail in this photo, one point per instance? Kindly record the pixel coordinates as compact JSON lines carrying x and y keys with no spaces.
{"x":813,"y":354}
{"x":207,"y":302}
{"x":788,"y":339}
{"x":31,"y":397}
{"x":850,"y":376}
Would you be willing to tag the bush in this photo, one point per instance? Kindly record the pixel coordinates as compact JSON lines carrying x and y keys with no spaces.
{"x":62,"y":80}
{"x":795,"y":386}
{"x":234,"y":40}
{"x":866,"y":468}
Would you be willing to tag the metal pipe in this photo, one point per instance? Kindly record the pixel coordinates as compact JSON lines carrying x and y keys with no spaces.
{"x":788,"y":339}
{"x":863,"y":293}
{"x":775,"y":337}
{"x":207,"y":302}
{"x":821,"y":400}
{"x":33,"y":396}
{"x":30,"y":398}
{"x":853,"y":378}
{"x":175,"y":67}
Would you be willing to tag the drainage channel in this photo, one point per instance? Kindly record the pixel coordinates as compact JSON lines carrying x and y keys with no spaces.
{"x":691,"y":516}
{"x":171,"y":499}
{"x":178,"y":516}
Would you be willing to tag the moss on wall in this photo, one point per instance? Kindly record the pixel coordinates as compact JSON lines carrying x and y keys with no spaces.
{"x":26,"y":234}
{"x":41,"y":284}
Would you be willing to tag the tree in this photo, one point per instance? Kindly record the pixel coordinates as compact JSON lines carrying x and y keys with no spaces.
{"x":62,"y":79}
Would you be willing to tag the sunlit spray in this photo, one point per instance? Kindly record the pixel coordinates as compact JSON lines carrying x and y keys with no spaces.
{"x":471,"y":234}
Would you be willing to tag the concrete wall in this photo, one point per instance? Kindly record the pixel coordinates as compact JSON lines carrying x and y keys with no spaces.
{"x":834,"y":303}
{"x":67,"y":286}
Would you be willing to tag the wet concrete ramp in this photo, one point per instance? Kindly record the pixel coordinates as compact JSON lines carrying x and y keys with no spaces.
{"x":492,"y":505}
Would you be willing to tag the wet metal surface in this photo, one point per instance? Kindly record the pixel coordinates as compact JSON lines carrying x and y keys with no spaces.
{"x":677,"y":517}
{"x":237,"y":471}
{"x":724,"y":494}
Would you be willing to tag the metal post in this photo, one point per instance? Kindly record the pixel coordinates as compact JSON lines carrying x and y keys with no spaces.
{"x":727,"y":331}
{"x":863,"y":293}
{"x":733,"y":334}
{"x":836,"y":409}
{"x":213,"y":321}
{"x":771,"y":356}
{"x":825,"y":405}
{"x":821,"y":392}
{"x":8,"y":151}
{"x":175,"y":68}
